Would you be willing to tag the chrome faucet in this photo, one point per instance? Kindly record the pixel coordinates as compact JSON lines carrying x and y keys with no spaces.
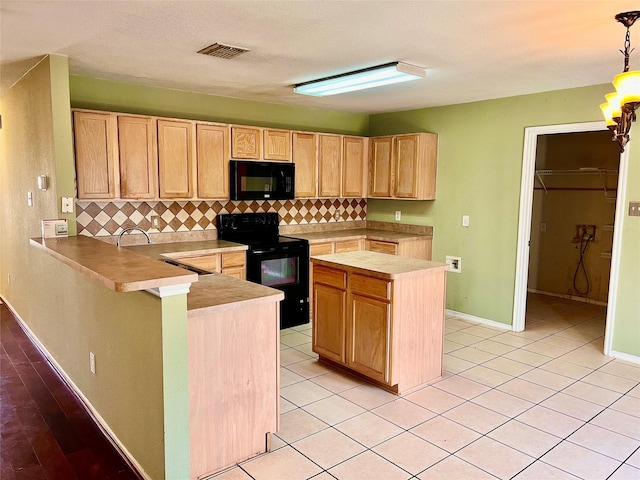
{"x":130,"y":229}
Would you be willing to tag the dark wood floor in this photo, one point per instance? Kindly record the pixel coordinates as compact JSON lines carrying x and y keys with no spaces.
{"x":45,"y":431}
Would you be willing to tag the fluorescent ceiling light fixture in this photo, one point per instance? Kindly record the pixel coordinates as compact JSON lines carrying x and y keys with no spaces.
{"x":387,"y":74}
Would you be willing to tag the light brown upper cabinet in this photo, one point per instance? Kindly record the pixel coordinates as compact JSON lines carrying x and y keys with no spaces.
{"x":246,"y":142}
{"x":329,"y":165}
{"x":138,"y":157}
{"x":175,"y":158}
{"x":415,"y":166}
{"x":213,"y":160}
{"x":354,"y":170}
{"x":380,"y":166}
{"x":96,"y":147}
{"x":403,"y":166}
{"x":305,"y":157}
{"x":277,"y":145}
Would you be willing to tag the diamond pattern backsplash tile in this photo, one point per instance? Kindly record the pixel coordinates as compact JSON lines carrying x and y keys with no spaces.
{"x":99,"y":219}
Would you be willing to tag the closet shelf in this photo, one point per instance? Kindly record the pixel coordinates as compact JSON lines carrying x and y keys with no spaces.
{"x":603,"y":173}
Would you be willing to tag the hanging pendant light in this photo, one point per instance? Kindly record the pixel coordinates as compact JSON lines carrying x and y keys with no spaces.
{"x":620,"y":109}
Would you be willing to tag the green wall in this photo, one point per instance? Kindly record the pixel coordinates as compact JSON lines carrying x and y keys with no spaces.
{"x":70,"y":314}
{"x":479,"y":174}
{"x":626,"y":333}
{"x":126,"y":97}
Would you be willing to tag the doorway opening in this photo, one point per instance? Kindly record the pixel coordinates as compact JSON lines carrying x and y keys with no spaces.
{"x":567,"y":236}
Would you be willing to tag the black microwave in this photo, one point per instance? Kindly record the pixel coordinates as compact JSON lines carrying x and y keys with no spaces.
{"x":261,"y":180}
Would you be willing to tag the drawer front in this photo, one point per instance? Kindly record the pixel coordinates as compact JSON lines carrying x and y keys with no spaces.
{"x":233,"y":259}
{"x":348,"y":246}
{"x":372,"y":287}
{"x":382,"y":247}
{"x":237,"y":272}
{"x":205,"y":262}
{"x":329,"y":276}
{"x":321,"y":248}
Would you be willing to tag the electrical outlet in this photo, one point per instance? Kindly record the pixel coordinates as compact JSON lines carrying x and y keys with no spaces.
{"x":155,"y":221}
{"x":465,"y":220}
{"x":92,"y":363}
{"x":67,"y":204}
{"x":336,"y":215}
{"x":455,"y":263}
{"x":8,"y":278}
{"x":634,"y":209}
{"x":398,"y":215}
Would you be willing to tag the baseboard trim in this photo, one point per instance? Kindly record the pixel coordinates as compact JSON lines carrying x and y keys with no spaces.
{"x":93,"y":413}
{"x":568,"y":297}
{"x":625,"y":357}
{"x":483,"y":321}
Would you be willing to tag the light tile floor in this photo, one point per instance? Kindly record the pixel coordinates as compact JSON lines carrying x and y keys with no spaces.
{"x":541,"y":404}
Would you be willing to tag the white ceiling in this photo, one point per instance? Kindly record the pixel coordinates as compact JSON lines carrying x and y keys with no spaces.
{"x":472,"y":50}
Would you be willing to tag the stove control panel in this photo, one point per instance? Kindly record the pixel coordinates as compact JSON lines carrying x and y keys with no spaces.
{"x":250,"y":225}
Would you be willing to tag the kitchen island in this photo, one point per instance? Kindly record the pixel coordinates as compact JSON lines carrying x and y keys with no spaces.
{"x":380,"y":316}
{"x":187,"y":367}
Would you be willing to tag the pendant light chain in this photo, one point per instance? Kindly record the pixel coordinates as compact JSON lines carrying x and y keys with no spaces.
{"x":627,"y":49}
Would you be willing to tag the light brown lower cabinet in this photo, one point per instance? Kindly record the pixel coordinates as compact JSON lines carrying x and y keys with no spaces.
{"x":233,"y":264}
{"x":415,"y":248}
{"x":387,"y":330}
{"x":230,"y":263}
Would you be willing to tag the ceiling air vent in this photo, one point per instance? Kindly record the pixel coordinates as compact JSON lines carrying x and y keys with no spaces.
{"x":223,"y":51}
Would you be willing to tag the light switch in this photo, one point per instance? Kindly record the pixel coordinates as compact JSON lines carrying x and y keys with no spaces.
{"x":465,"y":220}
{"x":29,"y":199}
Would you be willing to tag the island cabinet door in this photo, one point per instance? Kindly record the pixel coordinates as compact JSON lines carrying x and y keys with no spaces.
{"x":368,"y":337}
{"x":329,"y":322}
{"x":329,"y":313}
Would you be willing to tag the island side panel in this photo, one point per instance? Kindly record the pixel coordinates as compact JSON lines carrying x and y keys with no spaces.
{"x":418,"y":330}
{"x":234,"y":358}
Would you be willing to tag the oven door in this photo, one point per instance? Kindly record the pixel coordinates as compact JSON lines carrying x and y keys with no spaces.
{"x":286,"y":269}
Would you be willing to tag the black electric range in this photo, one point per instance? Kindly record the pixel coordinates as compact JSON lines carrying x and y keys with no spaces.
{"x":273,"y":260}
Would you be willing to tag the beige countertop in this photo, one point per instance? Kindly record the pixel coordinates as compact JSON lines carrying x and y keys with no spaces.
{"x":358,"y":233}
{"x":127,"y":269}
{"x":116,"y":268}
{"x":380,"y":265}
{"x":186,"y":249}
{"x":216,"y":290}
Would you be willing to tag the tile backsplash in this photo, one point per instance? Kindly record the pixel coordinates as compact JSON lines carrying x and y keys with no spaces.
{"x":100,"y":219}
